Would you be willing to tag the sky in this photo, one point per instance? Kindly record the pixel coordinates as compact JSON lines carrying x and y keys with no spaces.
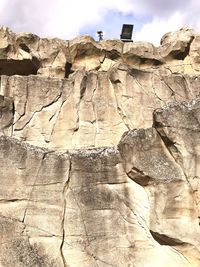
{"x":68,"y":18}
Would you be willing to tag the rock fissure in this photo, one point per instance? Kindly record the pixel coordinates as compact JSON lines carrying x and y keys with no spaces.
{"x":120,"y":111}
{"x":59,"y":111}
{"x":168,"y":143}
{"x":82,"y":218}
{"x":25,"y":105}
{"x":65,"y":188}
{"x":38,"y":111}
{"x":94,"y":109}
{"x":182,"y":256}
{"x":31,"y":192}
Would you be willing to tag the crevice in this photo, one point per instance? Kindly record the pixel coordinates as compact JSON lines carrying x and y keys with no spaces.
{"x":172,"y":149}
{"x":113,"y":55}
{"x":174,"y":93}
{"x":139,"y":219}
{"x":78,"y":106}
{"x":165,"y":240}
{"x":119,"y":108}
{"x":23,"y":67}
{"x":81,"y":215}
{"x":83,"y":86}
{"x":52,"y":117}
{"x":181,"y":255}
{"x":24,"y":47}
{"x":153,"y":87}
{"x":69,"y":63}
{"x":25,"y":105}
{"x":31,"y":192}
{"x":65,"y":188}
{"x":45,"y":233}
{"x":59,"y":111}
{"x":103,"y":59}
{"x":54,"y":59}
{"x":55,"y":183}
{"x":38,"y":111}
{"x":94,"y":109}
{"x":187,"y":87}
{"x":150,"y":61}
{"x":54,"y":125}
{"x":123,"y":117}
{"x":140,"y":85}
{"x":139,"y":176}
{"x":169,"y":144}
{"x":14,"y":200}
{"x":68,"y":69}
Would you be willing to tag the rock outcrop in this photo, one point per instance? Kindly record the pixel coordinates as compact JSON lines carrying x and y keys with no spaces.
{"x":99,"y":152}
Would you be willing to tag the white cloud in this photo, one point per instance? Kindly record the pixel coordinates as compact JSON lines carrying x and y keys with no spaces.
{"x":63,"y":18}
{"x":157,"y":8}
{"x":186,"y":15}
{"x":66,"y":18}
{"x":154,"y":30}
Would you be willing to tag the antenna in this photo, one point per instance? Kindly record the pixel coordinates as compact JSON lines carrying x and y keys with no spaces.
{"x":100,"y":35}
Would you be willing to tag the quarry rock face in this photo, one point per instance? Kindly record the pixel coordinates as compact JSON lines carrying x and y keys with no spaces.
{"x":99,"y":151}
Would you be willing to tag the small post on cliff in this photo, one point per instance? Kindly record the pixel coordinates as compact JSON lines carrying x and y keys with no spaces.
{"x":100,"y":35}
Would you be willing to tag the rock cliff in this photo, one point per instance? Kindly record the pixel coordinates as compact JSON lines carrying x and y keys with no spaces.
{"x":99,"y":152}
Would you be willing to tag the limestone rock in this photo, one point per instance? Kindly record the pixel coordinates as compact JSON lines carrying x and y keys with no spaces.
{"x":176,"y":50}
{"x":85,"y":53}
{"x":99,"y":151}
{"x":31,"y":198}
{"x":90,"y":109}
{"x":176,"y":44}
{"x":26,"y":54}
{"x":165,"y":160}
{"x":141,"y":54}
{"x":179,"y":127}
{"x":6,"y":115}
{"x":101,"y":206}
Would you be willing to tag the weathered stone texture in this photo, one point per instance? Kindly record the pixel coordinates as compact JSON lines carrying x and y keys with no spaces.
{"x":99,"y":152}
{"x":32,"y":204}
{"x":91,"y":109}
{"x":6,"y":115}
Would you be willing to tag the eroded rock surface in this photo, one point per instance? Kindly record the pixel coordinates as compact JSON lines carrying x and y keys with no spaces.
{"x":99,"y":152}
{"x":91,"y":109}
{"x":87,"y":93}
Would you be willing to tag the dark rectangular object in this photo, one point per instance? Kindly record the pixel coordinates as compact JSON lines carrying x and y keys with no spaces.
{"x":126,"y":34}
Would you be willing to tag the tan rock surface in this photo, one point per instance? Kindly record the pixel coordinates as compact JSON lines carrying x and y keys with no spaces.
{"x":91,"y":109}
{"x":99,"y":152}
{"x":26,"y":54}
{"x":6,"y":115}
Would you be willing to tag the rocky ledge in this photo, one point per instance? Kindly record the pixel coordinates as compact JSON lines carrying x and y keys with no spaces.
{"x":99,"y":152}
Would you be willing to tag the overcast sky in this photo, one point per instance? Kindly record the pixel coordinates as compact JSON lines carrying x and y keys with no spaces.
{"x":69,"y":18}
